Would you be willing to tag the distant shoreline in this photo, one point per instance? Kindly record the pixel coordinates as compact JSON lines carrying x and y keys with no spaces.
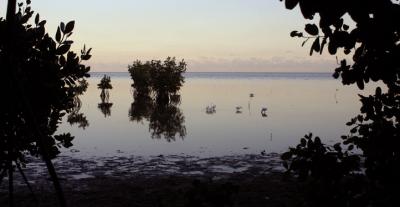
{"x":213,"y":72}
{"x":234,"y":75}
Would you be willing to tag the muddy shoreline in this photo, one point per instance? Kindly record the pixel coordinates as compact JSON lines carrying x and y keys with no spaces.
{"x":74,"y":168}
{"x":237,"y":180}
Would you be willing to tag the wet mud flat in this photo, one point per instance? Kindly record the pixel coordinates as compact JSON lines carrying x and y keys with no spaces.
{"x":237,"y":180}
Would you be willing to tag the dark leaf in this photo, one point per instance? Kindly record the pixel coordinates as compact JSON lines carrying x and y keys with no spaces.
{"x":360,"y":118}
{"x":62,"y":60}
{"x":336,"y":75}
{"x":42,"y":23}
{"x":317,"y":141}
{"x":290,"y":4}
{"x":337,"y":147}
{"x":58,"y":35}
{"x":293,"y":33}
{"x":315,"y":46}
{"x":353,"y":130}
{"x":360,"y":84}
{"x":62,"y":27}
{"x":311,"y":29}
{"x":63,"y":49}
{"x":307,"y":9}
{"x":69,"y":27}
{"x":332,"y":47}
{"x":322,"y":45}
{"x":85,"y":57}
{"x":24,"y":19}
{"x":37,"y":19}
{"x":303,"y":142}
{"x":68,"y":42}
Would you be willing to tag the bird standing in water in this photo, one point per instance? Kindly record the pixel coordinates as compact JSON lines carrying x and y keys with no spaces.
{"x":264,"y":111}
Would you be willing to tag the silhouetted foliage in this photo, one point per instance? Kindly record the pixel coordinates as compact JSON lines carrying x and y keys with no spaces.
{"x":312,"y":158}
{"x":105,"y":86}
{"x":105,"y":83}
{"x":156,"y":96}
{"x":140,"y":74}
{"x":42,"y":79}
{"x":374,"y":44}
{"x":162,"y":78}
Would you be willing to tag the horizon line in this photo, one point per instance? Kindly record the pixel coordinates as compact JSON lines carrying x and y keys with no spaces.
{"x":222,"y":72}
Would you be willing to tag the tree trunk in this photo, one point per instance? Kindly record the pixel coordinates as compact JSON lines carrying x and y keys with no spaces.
{"x":11,"y":10}
{"x":56,"y":181}
{"x":10,"y":180}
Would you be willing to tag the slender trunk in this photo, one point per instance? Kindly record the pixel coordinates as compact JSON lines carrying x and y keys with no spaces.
{"x":11,"y":10}
{"x":27,"y":182}
{"x":2,"y":175}
{"x":10,"y":181}
{"x":56,"y":181}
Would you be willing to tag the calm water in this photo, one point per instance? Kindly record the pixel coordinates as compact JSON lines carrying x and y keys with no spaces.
{"x":298,"y":103}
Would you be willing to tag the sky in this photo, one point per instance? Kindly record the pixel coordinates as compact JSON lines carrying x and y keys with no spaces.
{"x":210,"y":35}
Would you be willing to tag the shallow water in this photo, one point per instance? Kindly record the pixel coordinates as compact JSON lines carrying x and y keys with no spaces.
{"x":297,"y":103}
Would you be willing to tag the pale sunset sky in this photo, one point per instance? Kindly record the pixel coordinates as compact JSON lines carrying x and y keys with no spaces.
{"x":211,"y":35}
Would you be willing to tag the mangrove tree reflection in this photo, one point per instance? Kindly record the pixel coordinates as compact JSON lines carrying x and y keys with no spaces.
{"x":141,"y":108}
{"x":105,"y":86}
{"x":165,"y":118}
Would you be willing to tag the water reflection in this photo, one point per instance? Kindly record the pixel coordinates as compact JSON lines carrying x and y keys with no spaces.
{"x":105,"y":105}
{"x":78,"y":119}
{"x":141,"y":108}
{"x":167,"y":120}
{"x":75,"y":117}
{"x":295,"y":106}
{"x":164,"y":115}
